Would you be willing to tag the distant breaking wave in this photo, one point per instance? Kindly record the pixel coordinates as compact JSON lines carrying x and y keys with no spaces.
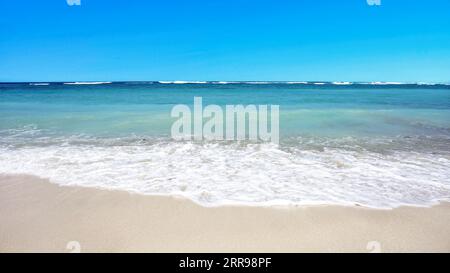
{"x":86,"y":83}
{"x":296,"y":82}
{"x":386,"y":83}
{"x":224,"y":82}
{"x":257,"y":82}
{"x":342,"y":83}
{"x":425,"y":83}
{"x":39,"y":83}
{"x":376,"y":83}
{"x":182,"y":82}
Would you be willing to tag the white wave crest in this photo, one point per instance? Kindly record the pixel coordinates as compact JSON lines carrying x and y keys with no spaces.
{"x":39,"y":84}
{"x":224,"y":82}
{"x":257,"y":82}
{"x":182,"y":82}
{"x":342,"y":83}
{"x":297,"y":82}
{"x":387,"y":83}
{"x":86,"y":83}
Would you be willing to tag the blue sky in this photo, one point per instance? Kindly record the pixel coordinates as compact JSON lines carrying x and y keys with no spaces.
{"x":346,"y":40}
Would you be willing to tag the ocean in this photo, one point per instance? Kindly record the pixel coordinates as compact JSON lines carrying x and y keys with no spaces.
{"x":370,"y":144}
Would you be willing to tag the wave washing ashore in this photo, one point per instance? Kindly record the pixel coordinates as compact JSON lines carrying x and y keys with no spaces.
{"x":379,"y":145}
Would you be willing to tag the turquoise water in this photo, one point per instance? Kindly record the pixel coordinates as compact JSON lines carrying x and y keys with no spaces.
{"x":379,"y":146}
{"x":122,"y":109}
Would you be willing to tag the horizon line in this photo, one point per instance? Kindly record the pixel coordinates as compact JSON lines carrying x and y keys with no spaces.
{"x":237,"y":82}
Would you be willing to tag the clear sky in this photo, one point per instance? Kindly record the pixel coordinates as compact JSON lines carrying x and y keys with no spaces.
{"x":114,"y":40}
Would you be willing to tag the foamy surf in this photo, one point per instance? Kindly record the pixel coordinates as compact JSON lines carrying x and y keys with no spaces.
{"x":214,"y":174}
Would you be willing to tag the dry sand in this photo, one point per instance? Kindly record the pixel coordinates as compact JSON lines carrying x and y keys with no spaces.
{"x":38,"y":216}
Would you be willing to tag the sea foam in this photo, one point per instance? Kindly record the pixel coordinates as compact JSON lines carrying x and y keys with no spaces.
{"x":214,"y":174}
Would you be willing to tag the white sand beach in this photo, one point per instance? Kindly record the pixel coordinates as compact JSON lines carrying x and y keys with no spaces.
{"x":38,"y":216}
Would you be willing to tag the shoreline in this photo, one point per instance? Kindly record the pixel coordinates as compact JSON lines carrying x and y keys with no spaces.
{"x":40,"y":216}
{"x":265,"y":205}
